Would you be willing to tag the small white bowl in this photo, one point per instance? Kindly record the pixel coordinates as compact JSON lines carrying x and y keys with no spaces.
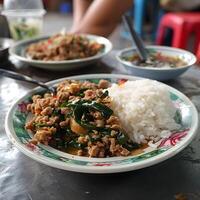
{"x":160,"y":74}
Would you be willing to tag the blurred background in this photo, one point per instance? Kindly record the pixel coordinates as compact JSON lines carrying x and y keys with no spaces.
{"x":150,"y":19}
{"x":60,"y":15}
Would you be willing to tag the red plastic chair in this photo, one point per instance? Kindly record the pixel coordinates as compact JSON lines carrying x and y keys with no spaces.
{"x":198,"y":54}
{"x":183,"y":25}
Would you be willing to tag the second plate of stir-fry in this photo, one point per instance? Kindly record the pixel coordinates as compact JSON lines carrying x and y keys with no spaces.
{"x":61,"y":51}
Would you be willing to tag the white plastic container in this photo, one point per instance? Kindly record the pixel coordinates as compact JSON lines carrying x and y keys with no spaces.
{"x":25,"y":18}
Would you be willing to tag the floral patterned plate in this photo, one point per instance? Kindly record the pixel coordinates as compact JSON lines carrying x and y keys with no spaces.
{"x":166,"y":148}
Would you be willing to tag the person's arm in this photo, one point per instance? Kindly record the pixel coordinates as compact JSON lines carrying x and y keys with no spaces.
{"x":79,"y":9}
{"x":102,"y":16}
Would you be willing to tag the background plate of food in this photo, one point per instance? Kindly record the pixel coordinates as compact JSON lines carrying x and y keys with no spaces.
{"x":61,"y":51}
{"x":102,"y":123}
{"x":163,"y":63}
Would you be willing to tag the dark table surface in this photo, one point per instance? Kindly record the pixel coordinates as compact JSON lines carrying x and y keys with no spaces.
{"x":22,"y":178}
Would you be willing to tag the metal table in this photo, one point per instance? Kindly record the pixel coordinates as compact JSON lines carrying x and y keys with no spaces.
{"x":22,"y":178}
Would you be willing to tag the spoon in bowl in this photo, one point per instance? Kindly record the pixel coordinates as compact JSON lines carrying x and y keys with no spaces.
{"x":140,"y":47}
{"x":20,"y":77}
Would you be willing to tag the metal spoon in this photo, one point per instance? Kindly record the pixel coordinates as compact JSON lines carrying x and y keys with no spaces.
{"x":21,"y":77}
{"x":140,"y":47}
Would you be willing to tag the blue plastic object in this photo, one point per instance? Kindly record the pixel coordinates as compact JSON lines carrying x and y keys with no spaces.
{"x":139,"y":12}
{"x":66,"y":7}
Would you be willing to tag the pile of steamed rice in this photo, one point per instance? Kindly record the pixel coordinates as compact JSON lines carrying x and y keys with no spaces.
{"x":144,"y":109}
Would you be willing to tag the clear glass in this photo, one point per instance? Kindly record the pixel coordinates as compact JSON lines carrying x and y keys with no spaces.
{"x":25,"y":18}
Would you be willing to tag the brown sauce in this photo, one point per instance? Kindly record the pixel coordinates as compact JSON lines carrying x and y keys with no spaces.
{"x":139,"y":150}
{"x":134,"y":152}
{"x":72,"y":151}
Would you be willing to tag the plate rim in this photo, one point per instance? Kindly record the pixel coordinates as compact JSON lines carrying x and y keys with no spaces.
{"x":103,"y":169}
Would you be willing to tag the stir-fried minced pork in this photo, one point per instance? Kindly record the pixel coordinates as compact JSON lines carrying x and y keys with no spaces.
{"x":63,"y":47}
{"x":78,"y":119}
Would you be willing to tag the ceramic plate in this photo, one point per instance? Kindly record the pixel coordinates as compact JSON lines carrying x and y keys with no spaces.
{"x":19,"y":51}
{"x":168,"y":147}
{"x":160,"y":74}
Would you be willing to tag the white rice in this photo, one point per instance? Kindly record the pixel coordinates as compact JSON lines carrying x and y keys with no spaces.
{"x":144,"y":109}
